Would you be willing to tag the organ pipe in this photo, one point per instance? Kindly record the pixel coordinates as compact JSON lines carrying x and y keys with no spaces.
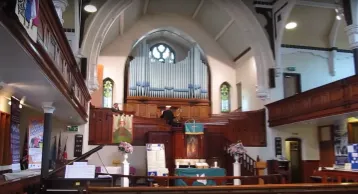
{"x":184,"y":79}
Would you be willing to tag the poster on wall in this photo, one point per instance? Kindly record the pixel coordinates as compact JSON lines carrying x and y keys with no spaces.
{"x":340,"y":138}
{"x":36,"y":129}
{"x":15,"y":134}
{"x":122,"y":128}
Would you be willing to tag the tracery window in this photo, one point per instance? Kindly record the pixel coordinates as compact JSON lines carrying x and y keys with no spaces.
{"x":108,"y":92}
{"x":225,"y":97}
{"x":162,"y":52}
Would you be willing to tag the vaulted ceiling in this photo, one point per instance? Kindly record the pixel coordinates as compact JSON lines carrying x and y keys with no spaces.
{"x":314,"y":26}
{"x":314,"y":22}
{"x":214,"y":20}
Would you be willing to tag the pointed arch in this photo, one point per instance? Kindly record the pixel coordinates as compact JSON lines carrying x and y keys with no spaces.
{"x":225,"y":97}
{"x":108,"y":85}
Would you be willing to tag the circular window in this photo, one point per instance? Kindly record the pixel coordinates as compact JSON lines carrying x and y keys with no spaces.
{"x":161,"y":52}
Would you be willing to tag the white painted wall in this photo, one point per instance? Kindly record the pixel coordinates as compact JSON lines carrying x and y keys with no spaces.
{"x":113,"y":57}
{"x":313,"y":66}
{"x":246,"y":74}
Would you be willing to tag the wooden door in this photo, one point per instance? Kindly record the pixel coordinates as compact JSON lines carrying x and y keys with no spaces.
{"x":292,"y":84}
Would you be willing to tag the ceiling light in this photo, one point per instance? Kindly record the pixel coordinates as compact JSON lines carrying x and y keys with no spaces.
{"x":291,"y":25}
{"x":20,"y":105}
{"x":337,"y":10}
{"x":338,"y":17}
{"x":9,"y":102}
{"x":90,"y":8}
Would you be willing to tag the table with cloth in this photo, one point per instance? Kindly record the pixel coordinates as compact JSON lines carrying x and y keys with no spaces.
{"x":200,"y":173}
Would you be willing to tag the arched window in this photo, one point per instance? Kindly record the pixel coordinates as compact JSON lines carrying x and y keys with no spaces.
{"x":161,"y":52}
{"x":225,"y":97}
{"x":108,"y":92}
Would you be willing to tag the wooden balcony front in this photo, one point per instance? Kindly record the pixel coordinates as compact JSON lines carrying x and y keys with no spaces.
{"x":52,"y":53}
{"x":335,"y":98}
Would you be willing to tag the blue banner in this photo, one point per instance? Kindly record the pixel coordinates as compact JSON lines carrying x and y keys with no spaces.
{"x":194,"y":128}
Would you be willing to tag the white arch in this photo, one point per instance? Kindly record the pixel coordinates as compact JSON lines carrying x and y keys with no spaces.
{"x":176,"y":31}
{"x":97,"y":30}
{"x":237,"y":9}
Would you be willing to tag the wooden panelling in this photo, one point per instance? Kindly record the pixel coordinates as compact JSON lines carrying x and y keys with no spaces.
{"x":148,"y":107}
{"x":179,"y":150}
{"x":331,"y":99}
{"x":309,"y":166}
{"x":248,"y":127}
{"x":101,"y":127}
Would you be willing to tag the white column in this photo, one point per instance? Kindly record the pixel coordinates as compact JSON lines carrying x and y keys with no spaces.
{"x":237,"y":172}
{"x":125,"y":171}
{"x":60,"y":6}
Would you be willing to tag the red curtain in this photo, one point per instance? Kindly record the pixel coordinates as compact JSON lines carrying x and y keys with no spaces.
{"x":5,"y":139}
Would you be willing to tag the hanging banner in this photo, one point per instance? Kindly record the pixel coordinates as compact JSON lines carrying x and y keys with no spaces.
{"x":15,"y":134}
{"x":122,"y":128}
{"x":36,"y":129}
{"x":340,"y":138}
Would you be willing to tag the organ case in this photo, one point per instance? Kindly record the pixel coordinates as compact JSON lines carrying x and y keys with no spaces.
{"x":151,"y":84}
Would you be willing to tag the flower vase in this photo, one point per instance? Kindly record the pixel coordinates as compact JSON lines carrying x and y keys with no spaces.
{"x":236,"y":157}
{"x":125,"y":156}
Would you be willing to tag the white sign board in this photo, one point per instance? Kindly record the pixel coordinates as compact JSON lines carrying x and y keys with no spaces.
{"x":156,"y":160}
{"x":80,"y":171}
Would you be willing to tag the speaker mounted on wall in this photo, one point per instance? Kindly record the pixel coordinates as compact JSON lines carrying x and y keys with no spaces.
{"x":84,"y":68}
{"x":272,"y":75}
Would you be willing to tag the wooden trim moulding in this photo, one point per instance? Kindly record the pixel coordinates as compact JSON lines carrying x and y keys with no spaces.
{"x":335,"y":98}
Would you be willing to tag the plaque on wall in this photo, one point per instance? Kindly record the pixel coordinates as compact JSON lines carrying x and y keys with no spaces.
{"x":278,"y":146}
{"x":78,"y":145}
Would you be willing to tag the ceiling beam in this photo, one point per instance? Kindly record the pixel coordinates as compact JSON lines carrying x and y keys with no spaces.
{"x":318,"y":4}
{"x":198,"y":9}
{"x":224,"y":29}
{"x":145,"y":8}
{"x":121,"y":23}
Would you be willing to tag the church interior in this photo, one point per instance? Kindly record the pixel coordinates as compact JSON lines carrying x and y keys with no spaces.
{"x":178,"y":96}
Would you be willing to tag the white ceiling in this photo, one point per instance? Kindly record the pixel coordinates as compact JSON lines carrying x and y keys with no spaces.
{"x":206,"y":13}
{"x":313,"y":28}
{"x":24,"y":78}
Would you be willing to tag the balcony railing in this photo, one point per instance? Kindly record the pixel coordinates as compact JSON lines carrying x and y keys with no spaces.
{"x":51,"y":37}
{"x":52,"y":52}
{"x":331,"y":99}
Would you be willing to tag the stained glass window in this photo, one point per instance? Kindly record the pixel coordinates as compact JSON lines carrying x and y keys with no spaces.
{"x":108,"y":93}
{"x":161,"y":52}
{"x":225,"y":97}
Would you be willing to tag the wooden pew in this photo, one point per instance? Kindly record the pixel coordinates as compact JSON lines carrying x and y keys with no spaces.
{"x":242,"y":189}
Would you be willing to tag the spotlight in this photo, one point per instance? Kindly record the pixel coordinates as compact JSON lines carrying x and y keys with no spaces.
{"x":90,"y":8}
{"x":338,"y":17}
{"x":291,"y":25}
{"x":9,"y":102}
{"x":20,"y":105}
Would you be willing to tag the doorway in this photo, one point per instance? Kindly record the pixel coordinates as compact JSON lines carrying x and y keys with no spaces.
{"x":239,"y":96}
{"x":291,"y":84}
{"x":293,"y":154}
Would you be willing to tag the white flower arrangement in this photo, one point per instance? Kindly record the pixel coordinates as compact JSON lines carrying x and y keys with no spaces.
{"x":236,"y":149}
{"x":125,"y":147}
